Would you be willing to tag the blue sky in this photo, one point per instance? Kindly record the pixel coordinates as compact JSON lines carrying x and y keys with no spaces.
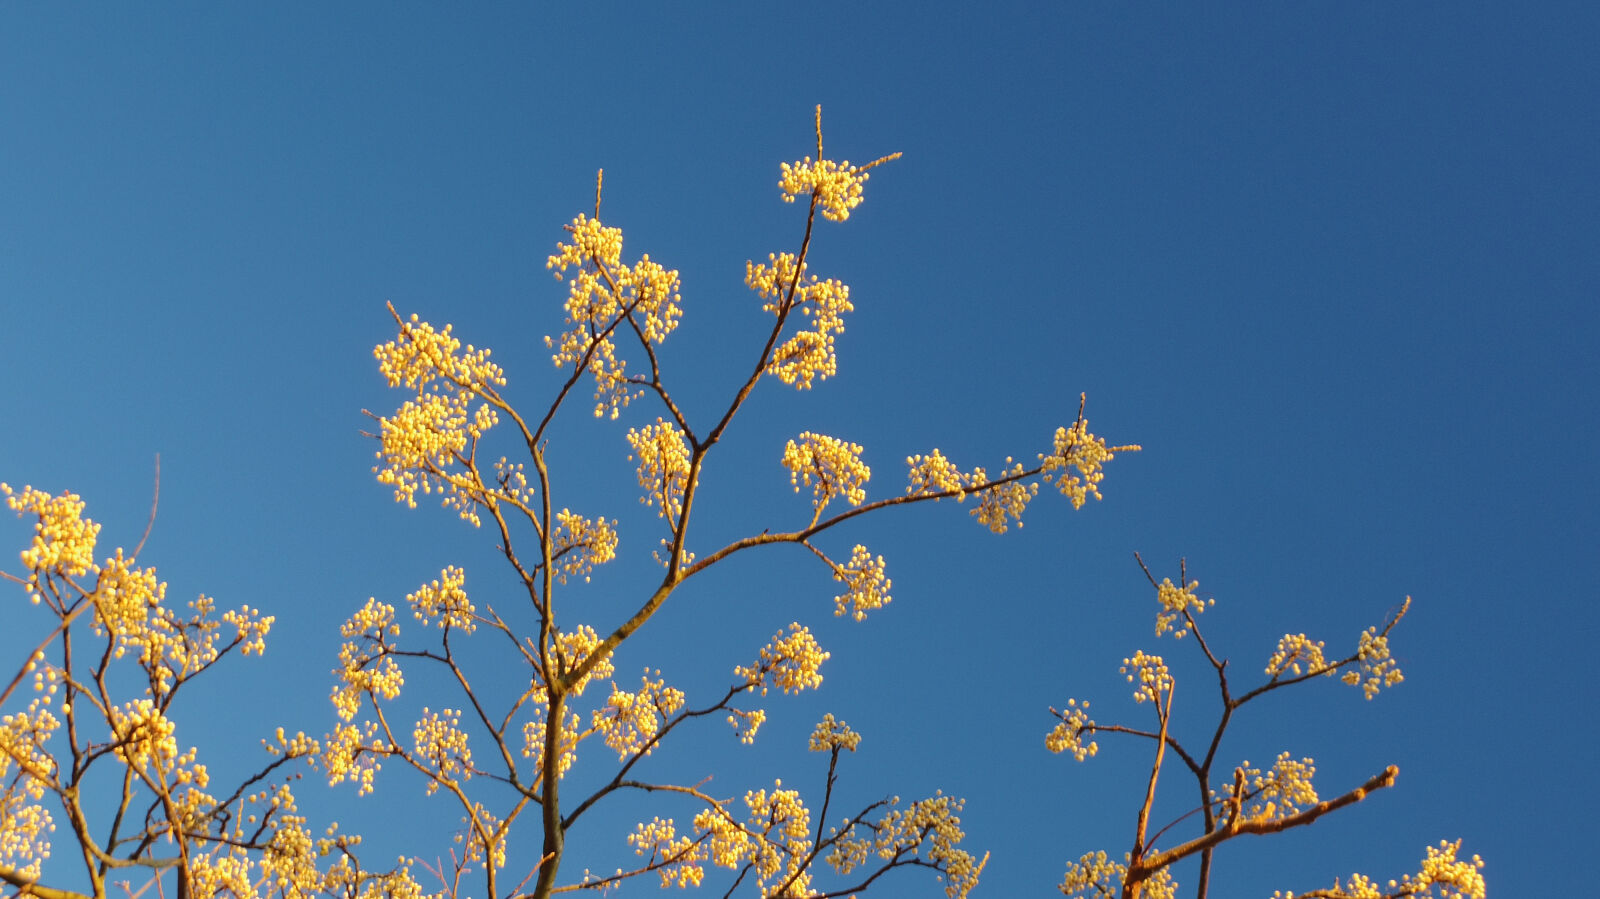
{"x":1334,"y":265}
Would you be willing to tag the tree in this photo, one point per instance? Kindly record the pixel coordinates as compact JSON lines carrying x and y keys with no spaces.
{"x":1253,"y":803}
{"x":137,"y":806}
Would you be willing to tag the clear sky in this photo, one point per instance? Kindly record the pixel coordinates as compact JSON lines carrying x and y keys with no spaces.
{"x":1334,"y":265}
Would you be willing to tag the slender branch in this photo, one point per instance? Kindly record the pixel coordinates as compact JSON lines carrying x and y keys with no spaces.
{"x":155,"y":499}
{"x":28,"y":886}
{"x":1131,"y":886}
{"x":1236,"y":825}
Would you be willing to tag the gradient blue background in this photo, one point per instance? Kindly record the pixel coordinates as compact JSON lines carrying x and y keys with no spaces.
{"x":1333,"y":264}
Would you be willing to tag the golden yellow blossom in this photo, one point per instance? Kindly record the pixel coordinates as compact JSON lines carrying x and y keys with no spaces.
{"x":1456,"y":879}
{"x":1151,"y":675}
{"x":783,"y":824}
{"x":931,"y":827}
{"x":25,"y":822}
{"x":63,"y":540}
{"x":830,"y":467}
{"x":1378,"y":667}
{"x":933,"y":473}
{"x":833,"y":734}
{"x":1442,"y":876}
{"x":351,"y":754}
{"x":424,"y":444}
{"x":730,"y":844}
{"x":630,"y":721}
{"x":746,"y":723}
{"x":582,"y":543}
{"x":1095,"y":875}
{"x":1176,"y":600}
{"x":576,"y":645}
{"x":1283,"y":791}
{"x":1067,"y":736}
{"x":663,"y":457}
{"x":1078,"y":450}
{"x":422,"y":356}
{"x":603,"y":295}
{"x":444,"y":601}
{"x":365,"y":665}
{"x":488,"y":851}
{"x":1297,"y":652}
{"x":144,"y":736}
{"x":790,"y":663}
{"x":784,"y":284}
{"x":675,"y":858}
{"x":534,"y":734}
{"x":441,"y":745}
{"x":837,"y":185}
{"x":867,"y":588}
{"x":1000,"y":502}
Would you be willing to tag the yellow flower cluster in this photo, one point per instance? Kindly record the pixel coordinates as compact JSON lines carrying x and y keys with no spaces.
{"x":790,"y":663}
{"x":144,"y":736}
{"x":997,"y":504}
{"x":1151,"y":675}
{"x":831,"y":734}
{"x":1001,"y":502}
{"x":602,"y":294}
{"x":420,"y":444}
{"x":663,"y":457}
{"x":299,"y":746}
{"x":1095,"y":875}
{"x":784,"y":825}
{"x":128,"y":608}
{"x":366,"y":636}
{"x":575,"y":647}
{"x":63,"y":540}
{"x":582,"y":543}
{"x":775,"y":841}
{"x":444,"y":601}
{"x":1443,"y":876}
{"x":729,"y":844}
{"x":482,"y":821}
{"x":429,"y":434}
{"x":836,"y":184}
{"x":534,"y":734}
{"x":1283,"y":791}
{"x":934,"y":473}
{"x":1067,"y":736}
{"x":22,"y":739}
{"x":867,"y":588}
{"x":225,"y":874}
{"x":289,"y":866}
{"x":25,"y":823}
{"x":931,"y":826}
{"x":1296,"y":653}
{"x":1175,"y":601}
{"x":830,"y":467}
{"x":592,"y":242}
{"x":125,"y":597}
{"x":746,"y":722}
{"x":809,"y":354}
{"x":630,"y":721}
{"x":1378,"y":667}
{"x":422,"y":356}
{"x":442,"y":745}
{"x":1456,"y":878}
{"x":1076,"y":448}
{"x":351,"y":754}
{"x":674,"y":857}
